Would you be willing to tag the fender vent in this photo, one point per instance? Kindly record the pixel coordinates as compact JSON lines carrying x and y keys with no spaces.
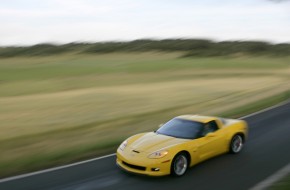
{"x":135,"y":151}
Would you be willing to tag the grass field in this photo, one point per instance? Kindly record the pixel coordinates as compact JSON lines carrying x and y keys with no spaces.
{"x":283,"y":184}
{"x":59,"y":109}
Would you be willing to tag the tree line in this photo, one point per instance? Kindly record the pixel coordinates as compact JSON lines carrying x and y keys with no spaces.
{"x":190,"y":47}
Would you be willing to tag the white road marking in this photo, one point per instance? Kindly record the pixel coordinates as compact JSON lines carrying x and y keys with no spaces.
{"x":266,"y":109}
{"x":272,"y":179}
{"x":54,"y":169}
{"x":109,"y":155}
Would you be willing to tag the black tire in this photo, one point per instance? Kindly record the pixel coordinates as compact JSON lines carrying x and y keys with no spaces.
{"x":179,"y":165}
{"x":236,"y":144}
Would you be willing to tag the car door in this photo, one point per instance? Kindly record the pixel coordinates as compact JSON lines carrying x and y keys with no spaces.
{"x":211,"y":142}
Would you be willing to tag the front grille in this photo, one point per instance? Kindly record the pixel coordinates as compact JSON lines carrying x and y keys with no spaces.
{"x":134,"y":166}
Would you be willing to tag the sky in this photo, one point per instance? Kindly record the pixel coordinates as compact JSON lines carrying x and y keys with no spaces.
{"x":28,"y":22}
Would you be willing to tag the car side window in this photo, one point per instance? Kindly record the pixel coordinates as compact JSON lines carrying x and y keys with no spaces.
{"x":209,"y":127}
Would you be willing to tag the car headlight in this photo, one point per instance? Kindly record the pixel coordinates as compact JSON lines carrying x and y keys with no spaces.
{"x":123,"y":145}
{"x":158,"y":154}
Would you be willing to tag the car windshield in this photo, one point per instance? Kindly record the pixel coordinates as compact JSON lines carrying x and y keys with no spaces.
{"x":181,"y":128}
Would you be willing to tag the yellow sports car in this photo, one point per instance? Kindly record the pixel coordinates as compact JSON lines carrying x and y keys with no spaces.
{"x":180,"y":143}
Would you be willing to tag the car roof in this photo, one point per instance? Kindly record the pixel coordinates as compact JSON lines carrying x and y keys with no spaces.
{"x":198,"y":118}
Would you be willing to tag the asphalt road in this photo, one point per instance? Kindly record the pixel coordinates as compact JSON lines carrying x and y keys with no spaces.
{"x":266,"y":151}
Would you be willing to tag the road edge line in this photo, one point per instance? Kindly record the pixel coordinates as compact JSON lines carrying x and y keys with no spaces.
{"x":113,"y":154}
{"x":266,"y":109}
{"x":54,"y":168}
{"x":269,"y":181}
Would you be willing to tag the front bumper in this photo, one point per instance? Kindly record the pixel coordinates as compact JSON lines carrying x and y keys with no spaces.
{"x":140,"y":164}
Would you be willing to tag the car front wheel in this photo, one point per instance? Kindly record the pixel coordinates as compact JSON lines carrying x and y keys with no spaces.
{"x":179,"y":165}
{"x":236,"y":144}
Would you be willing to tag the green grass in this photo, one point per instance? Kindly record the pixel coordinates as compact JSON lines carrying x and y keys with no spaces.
{"x":79,"y":106}
{"x":283,"y":184}
{"x":22,"y":76}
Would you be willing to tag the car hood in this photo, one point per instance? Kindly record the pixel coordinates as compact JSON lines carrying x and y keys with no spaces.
{"x":151,"y":142}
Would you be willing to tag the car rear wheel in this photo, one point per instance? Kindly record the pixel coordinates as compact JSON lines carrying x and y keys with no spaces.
{"x":179,"y":165}
{"x":236,"y":144}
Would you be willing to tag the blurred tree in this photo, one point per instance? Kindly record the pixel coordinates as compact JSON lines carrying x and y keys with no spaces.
{"x":191,"y":47}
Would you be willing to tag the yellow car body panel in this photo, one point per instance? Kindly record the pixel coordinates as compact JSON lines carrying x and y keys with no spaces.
{"x":134,"y":157}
